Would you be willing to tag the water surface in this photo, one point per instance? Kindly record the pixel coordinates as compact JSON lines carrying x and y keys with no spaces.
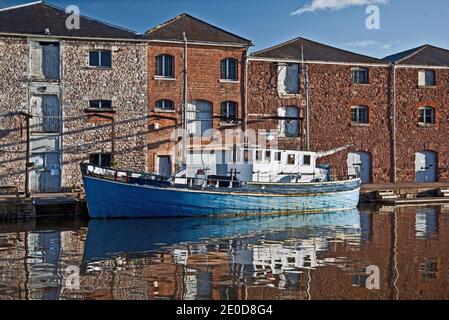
{"x":307,"y":257}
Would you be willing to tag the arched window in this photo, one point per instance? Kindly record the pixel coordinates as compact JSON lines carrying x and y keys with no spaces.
{"x":360,"y":75}
{"x":229,"y":69}
{"x":229,"y":112}
{"x":359,"y":114}
{"x":166,"y":105}
{"x":289,"y":121}
{"x":165,"y":66}
{"x":426,"y":116}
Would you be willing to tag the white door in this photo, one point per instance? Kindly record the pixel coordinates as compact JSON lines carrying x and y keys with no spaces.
{"x":164,"y":166}
{"x":359,"y":165}
{"x":47,"y":111}
{"x":45,"y":176}
{"x":426,"y":166}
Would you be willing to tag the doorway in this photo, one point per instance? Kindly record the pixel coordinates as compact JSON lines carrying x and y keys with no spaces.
{"x":426,"y":166}
{"x":359,"y":166}
{"x":164,"y":166}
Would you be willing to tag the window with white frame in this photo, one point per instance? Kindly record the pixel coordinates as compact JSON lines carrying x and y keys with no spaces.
{"x":359,"y":114}
{"x":288,"y":79}
{"x":360,"y":75}
{"x":229,"y":69}
{"x":288,"y":121}
{"x":100,"y":58}
{"x":100,"y":104}
{"x":165,"y":66}
{"x":165,"y":105}
{"x":426,"y":78}
{"x":427,"y":116}
{"x":229,"y":112}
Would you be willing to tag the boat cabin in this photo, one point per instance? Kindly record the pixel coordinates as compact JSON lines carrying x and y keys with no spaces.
{"x":256,"y":165}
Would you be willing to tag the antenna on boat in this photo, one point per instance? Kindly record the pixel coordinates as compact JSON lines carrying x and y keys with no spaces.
{"x":185,"y":101}
{"x":306,"y":88}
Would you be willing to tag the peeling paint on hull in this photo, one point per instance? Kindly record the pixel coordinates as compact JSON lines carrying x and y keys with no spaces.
{"x":112,"y":199}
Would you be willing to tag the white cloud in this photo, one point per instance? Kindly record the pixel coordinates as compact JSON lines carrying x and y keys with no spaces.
{"x":369,"y":44}
{"x":316,"y":5}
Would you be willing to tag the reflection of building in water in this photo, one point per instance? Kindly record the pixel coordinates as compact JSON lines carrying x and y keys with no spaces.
{"x":426,"y":224}
{"x":409,"y":246}
{"x":276,"y":258}
{"x":43,"y":257}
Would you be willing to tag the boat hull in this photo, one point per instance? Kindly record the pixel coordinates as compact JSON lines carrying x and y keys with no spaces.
{"x":113,"y":199}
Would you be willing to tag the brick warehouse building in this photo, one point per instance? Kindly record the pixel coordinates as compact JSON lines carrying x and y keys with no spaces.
{"x":421,"y":103}
{"x":86,"y":91}
{"x":216,"y":84}
{"x":349,"y":103}
{"x":391,"y":111}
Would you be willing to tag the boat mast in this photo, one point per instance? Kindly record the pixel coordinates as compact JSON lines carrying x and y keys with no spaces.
{"x":184,"y":105}
{"x":306,"y":88}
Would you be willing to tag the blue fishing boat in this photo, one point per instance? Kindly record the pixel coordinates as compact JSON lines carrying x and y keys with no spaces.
{"x":114,"y":193}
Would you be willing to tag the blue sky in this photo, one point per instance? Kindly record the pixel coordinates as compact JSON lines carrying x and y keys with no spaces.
{"x":404,"y":23}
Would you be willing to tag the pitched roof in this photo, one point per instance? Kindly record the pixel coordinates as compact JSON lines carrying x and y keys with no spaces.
{"x":425,"y":55}
{"x":196,"y":30}
{"x":313,"y":51}
{"x":34,"y":18}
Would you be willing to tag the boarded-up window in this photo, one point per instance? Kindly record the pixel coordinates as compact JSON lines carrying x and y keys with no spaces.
{"x":45,"y":60}
{"x":199,"y":117}
{"x":288,"y":79}
{"x":46,"y":114}
{"x":288,"y":122}
{"x":426,"y":78}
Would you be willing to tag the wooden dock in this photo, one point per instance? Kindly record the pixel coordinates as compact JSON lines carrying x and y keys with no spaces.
{"x":41,"y":205}
{"x":405,"y":193}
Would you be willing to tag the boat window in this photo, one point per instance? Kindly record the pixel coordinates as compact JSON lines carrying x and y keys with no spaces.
{"x":258,"y":156}
{"x":307,"y":160}
{"x":246,"y":155}
{"x":291,"y":160}
{"x":267,"y":156}
{"x":234,"y":154}
{"x":278,"y":156}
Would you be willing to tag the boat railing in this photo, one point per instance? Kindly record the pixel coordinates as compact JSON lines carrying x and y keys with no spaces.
{"x":118,"y":174}
{"x":154,"y":179}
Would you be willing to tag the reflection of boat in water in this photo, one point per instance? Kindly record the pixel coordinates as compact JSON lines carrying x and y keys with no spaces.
{"x":107,"y":239}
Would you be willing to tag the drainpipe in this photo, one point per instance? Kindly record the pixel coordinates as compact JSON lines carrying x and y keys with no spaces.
{"x":245,"y":93}
{"x":28,"y":154}
{"x":394,"y":126}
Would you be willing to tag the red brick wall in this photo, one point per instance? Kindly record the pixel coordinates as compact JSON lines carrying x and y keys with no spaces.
{"x":331,"y":96}
{"x":204,"y":84}
{"x":411,"y":137}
